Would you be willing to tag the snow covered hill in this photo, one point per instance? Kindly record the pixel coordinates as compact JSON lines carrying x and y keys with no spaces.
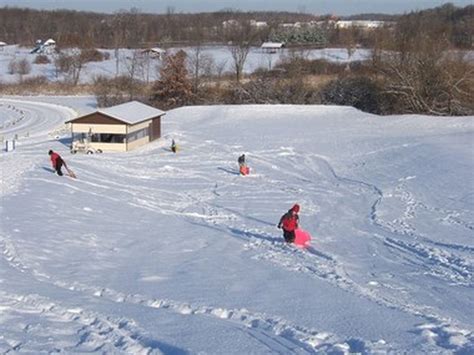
{"x":154,"y":252}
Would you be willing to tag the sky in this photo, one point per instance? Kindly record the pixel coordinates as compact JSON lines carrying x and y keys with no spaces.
{"x":337,"y":7}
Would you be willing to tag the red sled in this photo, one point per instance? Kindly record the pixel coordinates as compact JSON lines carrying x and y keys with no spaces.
{"x":244,"y":170}
{"x":302,"y":238}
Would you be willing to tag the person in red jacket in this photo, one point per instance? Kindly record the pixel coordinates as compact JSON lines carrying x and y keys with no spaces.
{"x":57,"y":162}
{"x":289,"y":222}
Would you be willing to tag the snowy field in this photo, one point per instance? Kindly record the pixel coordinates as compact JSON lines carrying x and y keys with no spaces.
{"x":220,"y":55}
{"x":151,"y":252}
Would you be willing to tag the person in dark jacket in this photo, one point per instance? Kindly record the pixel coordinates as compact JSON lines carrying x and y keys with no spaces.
{"x":56,"y":161}
{"x":241,"y":160}
{"x":243,"y":169}
{"x":289,"y":223}
{"x":174,"y":148}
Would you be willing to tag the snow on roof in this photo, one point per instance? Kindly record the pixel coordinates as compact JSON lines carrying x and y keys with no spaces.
{"x":131,"y":112}
{"x":154,"y":50}
{"x":272,"y":45}
{"x":3,"y":44}
{"x":157,"y":50}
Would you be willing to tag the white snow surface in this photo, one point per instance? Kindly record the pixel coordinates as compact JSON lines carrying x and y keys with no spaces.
{"x":151,"y":252}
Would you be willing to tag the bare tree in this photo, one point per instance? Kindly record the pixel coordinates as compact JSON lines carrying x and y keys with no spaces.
{"x":20,"y":67}
{"x":70,"y":66}
{"x":240,"y":37}
{"x":200,"y":65}
{"x":348,"y":40}
{"x":424,"y":74}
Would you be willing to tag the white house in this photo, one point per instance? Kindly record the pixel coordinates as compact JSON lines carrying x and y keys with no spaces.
{"x":46,"y":47}
{"x":230,"y":23}
{"x":271,"y":47}
{"x":368,"y":25}
{"x":155,"y":52}
{"x":258,"y":24}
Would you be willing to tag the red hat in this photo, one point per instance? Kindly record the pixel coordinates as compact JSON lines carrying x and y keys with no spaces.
{"x":295,"y":208}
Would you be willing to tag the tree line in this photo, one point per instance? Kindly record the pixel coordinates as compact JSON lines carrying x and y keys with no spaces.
{"x":417,"y":66}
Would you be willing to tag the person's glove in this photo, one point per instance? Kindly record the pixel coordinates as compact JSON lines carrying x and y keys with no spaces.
{"x":279,"y":226}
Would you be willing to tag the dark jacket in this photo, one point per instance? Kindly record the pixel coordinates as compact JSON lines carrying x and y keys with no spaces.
{"x":289,"y":221}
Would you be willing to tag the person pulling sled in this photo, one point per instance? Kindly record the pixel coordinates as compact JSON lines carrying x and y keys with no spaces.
{"x":243,"y":168}
{"x":57,"y":162}
{"x":289,"y":223}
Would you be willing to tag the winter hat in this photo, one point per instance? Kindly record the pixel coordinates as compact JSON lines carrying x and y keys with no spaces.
{"x":50,"y":152}
{"x":295,"y":208}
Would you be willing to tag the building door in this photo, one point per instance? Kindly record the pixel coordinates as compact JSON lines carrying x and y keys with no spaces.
{"x":155,"y":129}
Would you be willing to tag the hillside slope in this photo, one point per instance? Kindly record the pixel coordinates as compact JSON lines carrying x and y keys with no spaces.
{"x":151,"y":252}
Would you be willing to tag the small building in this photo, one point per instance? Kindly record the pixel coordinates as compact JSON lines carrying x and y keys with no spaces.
{"x":229,"y":24}
{"x":46,"y":47}
{"x":118,"y":128}
{"x":154,"y":52}
{"x":272,"y":47}
{"x":258,"y":24}
{"x":365,"y":25}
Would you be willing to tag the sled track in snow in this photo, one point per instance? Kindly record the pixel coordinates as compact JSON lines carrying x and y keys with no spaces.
{"x":95,"y":330}
{"x":31,"y":120}
{"x":438,"y":263}
{"x":85,"y":331}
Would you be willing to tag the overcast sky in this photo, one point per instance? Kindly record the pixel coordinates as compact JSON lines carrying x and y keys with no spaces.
{"x":337,"y":7}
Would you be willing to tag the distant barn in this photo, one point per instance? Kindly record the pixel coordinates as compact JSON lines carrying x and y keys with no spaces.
{"x":155,"y":52}
{"x":272,"y":47}
{"x":118,"y":128}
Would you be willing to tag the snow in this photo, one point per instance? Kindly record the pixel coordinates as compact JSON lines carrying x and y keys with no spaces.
{"x":153,"y":252}
{"x":132,"y":112}
{"x":221,"y":55}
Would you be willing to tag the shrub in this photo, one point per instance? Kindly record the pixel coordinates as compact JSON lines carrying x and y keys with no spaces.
{"x":20,"y":67}
{"x":41,"y":59}
{"x":93,"y":55}
{"x":267,"y":90}
{"x":359,"y":92}
{"x":109,"y":92}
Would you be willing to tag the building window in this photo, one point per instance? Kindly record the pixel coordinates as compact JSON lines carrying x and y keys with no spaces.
{"x":107,"y":138}
{"x":137,"y":135}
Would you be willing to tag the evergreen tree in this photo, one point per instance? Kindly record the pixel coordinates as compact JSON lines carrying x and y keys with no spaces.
{"x":174,"y":88}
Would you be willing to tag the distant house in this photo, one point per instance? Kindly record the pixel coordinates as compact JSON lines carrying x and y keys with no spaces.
{"x":155,"y":52}
{"x":367,"y":25}
{"x":118,"y":128}
{"x":287,"y":25}
{"x":272,"y":47}
{"x":258,"y":24}
{"x":46,"y":47}
{"x":230,"y":24}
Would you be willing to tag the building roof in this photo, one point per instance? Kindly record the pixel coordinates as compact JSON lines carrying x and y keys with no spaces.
{"x":272,"y":45}
{"x":132,"y":112}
